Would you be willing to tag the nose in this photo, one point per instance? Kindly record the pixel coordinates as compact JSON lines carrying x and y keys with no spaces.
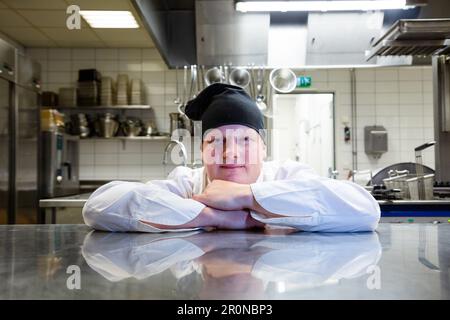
{"x":231,"y":150}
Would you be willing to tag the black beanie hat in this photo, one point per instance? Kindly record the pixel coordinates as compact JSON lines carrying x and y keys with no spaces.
{"x":221,"y":104}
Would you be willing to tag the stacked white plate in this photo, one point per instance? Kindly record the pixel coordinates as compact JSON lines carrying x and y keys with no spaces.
{"x":136,"y":92}
{"x":106,"y":93}
{"x":122,"y":89}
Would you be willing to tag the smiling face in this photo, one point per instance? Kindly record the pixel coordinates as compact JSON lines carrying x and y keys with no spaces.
{"x":233,"y":153}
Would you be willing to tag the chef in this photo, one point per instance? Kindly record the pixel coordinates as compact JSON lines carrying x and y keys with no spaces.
{"x":236,"y":188}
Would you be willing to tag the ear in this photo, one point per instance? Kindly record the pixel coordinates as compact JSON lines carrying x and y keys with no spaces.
{"x":264,"y":150}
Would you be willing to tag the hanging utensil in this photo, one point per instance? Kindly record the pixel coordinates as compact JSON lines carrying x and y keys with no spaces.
{"x":213,"y":75}
{"x":283,"y":80}
{"x":240,"y":77}
{"x":183,"y":102}
{"x":202,"y":77}
{"x":177,"y":100}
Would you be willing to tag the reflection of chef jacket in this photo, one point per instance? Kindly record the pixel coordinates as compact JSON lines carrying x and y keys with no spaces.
{"x":119,"y":256}
{"x":308,"y":259}
{"x":309,"y":202}
{"x":314,"y":259}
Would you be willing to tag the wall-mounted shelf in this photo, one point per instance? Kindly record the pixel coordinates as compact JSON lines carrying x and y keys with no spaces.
{"x":138,"y":138}
{"x":93,"y":108}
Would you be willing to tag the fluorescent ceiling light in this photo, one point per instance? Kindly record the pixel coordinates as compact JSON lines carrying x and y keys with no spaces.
{"x":338,"y":5}
{"x":109,"y":19}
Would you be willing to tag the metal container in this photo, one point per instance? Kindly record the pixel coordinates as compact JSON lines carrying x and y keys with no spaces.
{"x":410,"y":186}
{"x":283,"y":80}
{"x":214,"y":75}
{"x":420,"y":184}
{"x":240,"y":77}
{"x":106,"y":126}
{"x":132,"y":127}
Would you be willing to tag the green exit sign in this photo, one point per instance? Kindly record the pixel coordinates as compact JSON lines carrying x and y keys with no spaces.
{"x":304,"y":82}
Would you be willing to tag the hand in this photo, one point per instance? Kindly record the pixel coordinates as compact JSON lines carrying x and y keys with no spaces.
{"x":226,"y":195}
{"x":211,"y":217}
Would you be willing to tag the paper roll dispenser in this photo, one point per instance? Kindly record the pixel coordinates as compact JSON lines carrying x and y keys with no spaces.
{"x":375,"y":140}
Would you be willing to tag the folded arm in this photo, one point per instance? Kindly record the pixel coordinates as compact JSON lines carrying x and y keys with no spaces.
{"x":162,"y":205}
{"x":300,"y":199}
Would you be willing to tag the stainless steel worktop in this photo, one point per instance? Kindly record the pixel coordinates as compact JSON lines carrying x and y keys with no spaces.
{"x":78,"y":201}
{"x":75,"y":201}
{"x":399,"y":261}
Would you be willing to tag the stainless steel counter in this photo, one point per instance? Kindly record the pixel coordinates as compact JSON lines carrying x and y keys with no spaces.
{"x":78,"y":201}
{"x":75,"y":201}
{"x":400,"y":261}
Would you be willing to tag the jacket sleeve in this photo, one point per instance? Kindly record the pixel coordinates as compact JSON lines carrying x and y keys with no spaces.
{"x":121,"y":205}
{"x":310,"y":202}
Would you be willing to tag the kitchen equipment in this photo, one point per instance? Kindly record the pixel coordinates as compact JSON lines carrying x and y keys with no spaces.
{"x":424,"y":183}
{"x":176,"y":121}
{"x":60,"y":171}
{"x":89,"y":75}
{"x":193,"y":89}
{"x":182,"y":153}
{"x":106,"y":92}
{"x":89,"y":83}
{"x":67,"y":97}
{"x":177,"y":99}
{"x":213,"y":75}
{"x":398,"y":168}
{"x":88,"y":93}
{"x":260,"y":97}
{"x":106,"y":126}
{"x":80,"y":125}
{"x":135,"y":96}
{"x":421,"y":187}
{"x":49,"y":99}
{"x":149,"y":128}
{"x":411,"y":186}
{"x":240,"y":77}
{"x":19,"y":132}
{"x":283,"y":80}
{"x":132,"y":127}
{"x":122,"y":89}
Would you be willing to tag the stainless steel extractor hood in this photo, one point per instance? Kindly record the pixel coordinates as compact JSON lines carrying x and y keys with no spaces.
{"x":422,"y":37}
{"x":212,"y":32}
{"x":226,"y":36}
{"x":426,"y":37}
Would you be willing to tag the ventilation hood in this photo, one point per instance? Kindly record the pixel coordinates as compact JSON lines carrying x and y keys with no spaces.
{"x":212,"y":32}
{"x":419,"y":37}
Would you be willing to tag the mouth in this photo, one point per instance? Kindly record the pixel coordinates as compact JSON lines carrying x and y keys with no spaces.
{"x":231,"y":166}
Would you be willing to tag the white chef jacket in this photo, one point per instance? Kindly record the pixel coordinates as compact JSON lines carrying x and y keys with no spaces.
{"x":308,"y":201}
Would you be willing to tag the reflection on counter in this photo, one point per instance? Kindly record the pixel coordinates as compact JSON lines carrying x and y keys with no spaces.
{"x":232,"y":265}
{"x":399,"y":261}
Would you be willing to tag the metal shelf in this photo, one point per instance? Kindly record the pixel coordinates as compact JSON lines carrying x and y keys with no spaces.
{"x":138,"y":138}
{"x":117,"y":107}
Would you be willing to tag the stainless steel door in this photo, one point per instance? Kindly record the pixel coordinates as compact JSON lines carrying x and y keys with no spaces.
{"x":27,"y":155}
{"x":4,"y":150}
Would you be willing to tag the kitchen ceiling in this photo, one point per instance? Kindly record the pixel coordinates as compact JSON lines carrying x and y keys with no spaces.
{"x":42,"y":23}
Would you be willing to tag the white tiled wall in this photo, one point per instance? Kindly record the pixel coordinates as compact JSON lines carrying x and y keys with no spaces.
{"x":398,"y":98}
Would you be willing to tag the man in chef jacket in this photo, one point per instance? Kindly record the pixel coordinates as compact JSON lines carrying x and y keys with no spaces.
{"x":236,"y":188}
